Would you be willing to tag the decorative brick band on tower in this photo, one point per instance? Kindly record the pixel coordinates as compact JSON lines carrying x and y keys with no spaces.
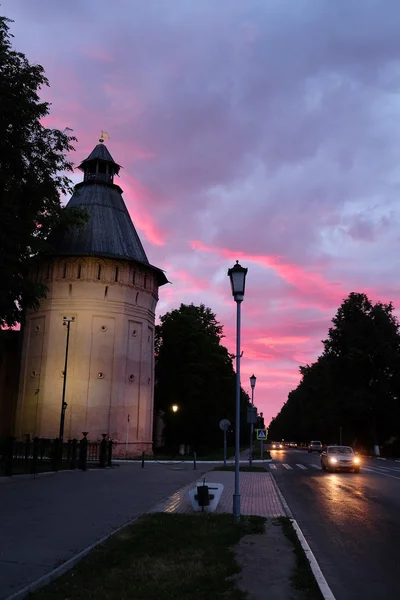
{"x":101,"y":276}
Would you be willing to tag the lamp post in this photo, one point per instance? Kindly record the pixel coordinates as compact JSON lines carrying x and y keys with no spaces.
{"x":253,"y":380}
{"x":64,"y":405}
{"x":175,"y":409}
{"x":237,"y":276}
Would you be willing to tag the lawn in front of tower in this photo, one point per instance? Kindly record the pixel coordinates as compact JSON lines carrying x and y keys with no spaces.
{"x":161,"y":556}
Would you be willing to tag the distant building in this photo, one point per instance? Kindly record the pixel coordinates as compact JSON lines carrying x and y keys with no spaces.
{"x":99,"y":275}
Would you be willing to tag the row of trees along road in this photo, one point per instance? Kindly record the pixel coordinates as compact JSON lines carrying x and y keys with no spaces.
{"x":195,"y":371}
{"x":33,"y":177}
{"x":353,"y":389}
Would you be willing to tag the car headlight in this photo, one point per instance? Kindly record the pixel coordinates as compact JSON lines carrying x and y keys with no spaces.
{"x":333,"y":460}
{"x":357,"y":460}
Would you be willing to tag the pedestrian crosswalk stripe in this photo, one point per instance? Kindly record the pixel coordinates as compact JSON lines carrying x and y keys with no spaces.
{"x":301,"y":466}
{"x":315,"y":466}
{"x":272,"y":466}
{"x":287,"y":466}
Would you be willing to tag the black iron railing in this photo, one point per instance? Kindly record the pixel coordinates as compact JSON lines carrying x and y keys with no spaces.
{"x":39,"y":455}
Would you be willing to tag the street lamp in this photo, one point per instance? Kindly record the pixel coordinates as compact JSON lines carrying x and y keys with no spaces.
{"x":175,"y":408}
{"x":237,"y":275}
{"x":253,"y":380}
{"x":64,"y":405}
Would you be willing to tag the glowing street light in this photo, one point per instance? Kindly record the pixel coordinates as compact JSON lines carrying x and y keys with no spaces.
{"x":237,"y":276}
{"x":175,"y":408}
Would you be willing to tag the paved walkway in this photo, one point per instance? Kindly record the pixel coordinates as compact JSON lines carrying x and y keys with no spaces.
{"x":257,"y":490}
{"x":47,"y":520}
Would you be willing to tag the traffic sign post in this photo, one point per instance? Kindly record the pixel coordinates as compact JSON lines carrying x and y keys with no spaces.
{"x":262,"y":436}
{"x":224,"y":425}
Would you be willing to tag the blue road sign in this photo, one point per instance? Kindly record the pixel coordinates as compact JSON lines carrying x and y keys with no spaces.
{"x":262,"y":434}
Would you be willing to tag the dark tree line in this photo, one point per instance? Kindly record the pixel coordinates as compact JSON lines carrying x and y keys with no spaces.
{"x":194,"y":371}
{"x":352,"y":390}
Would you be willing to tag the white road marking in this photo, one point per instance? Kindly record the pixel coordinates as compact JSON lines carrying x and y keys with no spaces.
{"x":315,"y":466}
{"x":272,"y":466}
{"x":286,"y":466}
{"x":301,"y":466}
{"x":380,"y":472}
{"x":321,"y":581}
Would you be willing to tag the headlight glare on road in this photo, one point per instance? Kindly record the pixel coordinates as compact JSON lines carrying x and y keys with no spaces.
{"x":357,"y":460}
{"x":333,"y":460}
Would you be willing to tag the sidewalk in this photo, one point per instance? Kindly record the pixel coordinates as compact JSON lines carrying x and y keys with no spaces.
{"x":47,"y":520}
{"x":258,"y":493}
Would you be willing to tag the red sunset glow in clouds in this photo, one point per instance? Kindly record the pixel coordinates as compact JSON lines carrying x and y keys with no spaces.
{"x":244,"y":134}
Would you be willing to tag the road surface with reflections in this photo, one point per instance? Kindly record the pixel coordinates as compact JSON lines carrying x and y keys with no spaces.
{"x":351,"y":521}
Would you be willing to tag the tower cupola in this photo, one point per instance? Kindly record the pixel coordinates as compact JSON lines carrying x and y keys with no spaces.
{"x":99,"y":166}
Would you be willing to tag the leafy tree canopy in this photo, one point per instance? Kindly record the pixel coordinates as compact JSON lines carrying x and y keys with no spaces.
{"x":33,"y":167}
{"x":354,"y":384}
{"x":194,"y":371}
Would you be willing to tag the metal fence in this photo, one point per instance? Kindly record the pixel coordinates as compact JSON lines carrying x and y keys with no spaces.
{"x":39,"y":455}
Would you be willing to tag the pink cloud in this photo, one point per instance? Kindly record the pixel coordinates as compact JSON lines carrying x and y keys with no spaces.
{"x":304,"y":281}
{"x":137,"y":199}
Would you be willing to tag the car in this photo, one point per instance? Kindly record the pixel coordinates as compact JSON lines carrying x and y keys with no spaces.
{"x":314,"y":446}
{"x":292,"y":445}
{"x":340,"y":458}
{"x":277,"y":446}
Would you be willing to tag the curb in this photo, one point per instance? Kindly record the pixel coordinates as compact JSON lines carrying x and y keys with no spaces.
{"x":319,"y":577}
{"x":189,"y":462}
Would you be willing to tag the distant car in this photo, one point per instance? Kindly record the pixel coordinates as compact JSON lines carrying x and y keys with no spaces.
{"x":277,"y":446}
{"x":340,"y":458}
{"x":314,"y":446}
{"x":292,"y":445}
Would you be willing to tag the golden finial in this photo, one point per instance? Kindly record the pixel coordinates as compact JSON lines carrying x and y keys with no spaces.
{"x":103,"y":135}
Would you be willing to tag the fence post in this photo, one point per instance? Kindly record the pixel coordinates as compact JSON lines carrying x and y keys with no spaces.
{"x":27,"y":447}
{"x":110,"y":444}
{"x":83,"y":448}
{"x":73,"y":453}
{"x":103,"y":451}
{"x":69,"y":448}
{"x":35,"y":454}
{"x":8,"y":470}
{"x":56,"y":454}
{"x":143,"y":459}
{"x":194,"y":461}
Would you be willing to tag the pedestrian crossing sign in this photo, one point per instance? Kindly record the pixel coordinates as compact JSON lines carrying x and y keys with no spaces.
{"x":262,"y":434}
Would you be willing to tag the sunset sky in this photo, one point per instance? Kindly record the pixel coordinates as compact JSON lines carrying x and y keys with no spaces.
{"x":261,"y":130}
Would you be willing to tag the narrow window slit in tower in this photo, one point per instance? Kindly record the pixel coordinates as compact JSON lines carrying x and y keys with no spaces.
{"x":116,"y":273}
{"x":98,"y":271}
{"x":79,"y":271}
{"x":65,"y":270}
{"x":70,"y":289}
{"x":106,"y":292}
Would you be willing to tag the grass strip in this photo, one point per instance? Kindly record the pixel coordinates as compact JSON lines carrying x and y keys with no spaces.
{"x":160,"y":556}
{"x":242,"y":469}
{"x":302,"y":578}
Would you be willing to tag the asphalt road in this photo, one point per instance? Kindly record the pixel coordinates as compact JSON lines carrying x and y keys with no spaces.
{"x":351,"y":521}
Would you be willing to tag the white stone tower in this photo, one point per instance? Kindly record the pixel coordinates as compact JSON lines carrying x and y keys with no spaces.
{"x":99,"y":275}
